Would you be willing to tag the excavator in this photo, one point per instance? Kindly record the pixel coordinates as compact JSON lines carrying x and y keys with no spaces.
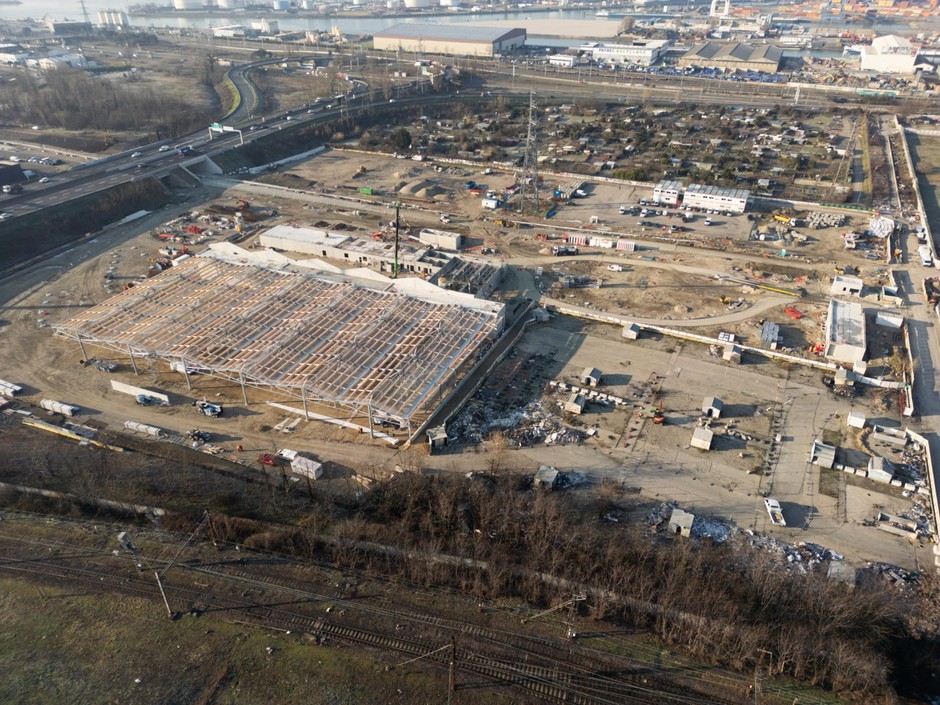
{"x":659,"y":418}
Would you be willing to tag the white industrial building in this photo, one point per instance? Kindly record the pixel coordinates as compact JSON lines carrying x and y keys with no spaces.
{"x":13,"y":54}
{"x":441,"y":238}
{"x":113,"y":18}
{"x":567,"y":61}
{"x":229,"y":31}
{"x":889,"y":54}
{"x":733,"y":200}
{"x":353,"y":251}
{"x":266,"y":26}
{"x":667,"y":192}
{"x":56,"y":60}
{"x":450,"y":39}
{"x":639,"y":52}
{"x":845,"y":332}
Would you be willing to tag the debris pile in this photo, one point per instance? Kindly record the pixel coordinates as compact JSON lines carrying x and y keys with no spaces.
{"x":898,"y":576}
{"x":801,"y":557}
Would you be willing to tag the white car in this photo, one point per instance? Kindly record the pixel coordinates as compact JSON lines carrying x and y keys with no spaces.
{"x":165,"y":148}
{"x":135,"y":155}
{"x":5,"y":215}
{"x":44,"y":180}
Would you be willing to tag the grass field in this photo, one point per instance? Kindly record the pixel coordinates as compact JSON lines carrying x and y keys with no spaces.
{"x":60,"y":645}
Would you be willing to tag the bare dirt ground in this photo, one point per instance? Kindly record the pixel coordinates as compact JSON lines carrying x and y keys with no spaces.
{"x":625,"y":446}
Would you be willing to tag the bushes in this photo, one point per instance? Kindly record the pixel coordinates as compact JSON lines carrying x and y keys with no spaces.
{"x":719,"y":603}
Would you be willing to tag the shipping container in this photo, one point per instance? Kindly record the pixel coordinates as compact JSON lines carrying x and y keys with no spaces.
{"x":626,"y":245}
{"x":576,"y":239}
{"x":602,"y":242}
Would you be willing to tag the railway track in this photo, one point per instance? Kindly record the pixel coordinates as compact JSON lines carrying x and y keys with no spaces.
{"x":553,"y":671}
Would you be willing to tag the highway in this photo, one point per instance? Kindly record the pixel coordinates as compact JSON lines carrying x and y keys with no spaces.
{"x":500,"y":79}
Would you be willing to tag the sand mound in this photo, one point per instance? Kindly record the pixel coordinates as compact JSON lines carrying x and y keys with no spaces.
{"x":421,"y":189}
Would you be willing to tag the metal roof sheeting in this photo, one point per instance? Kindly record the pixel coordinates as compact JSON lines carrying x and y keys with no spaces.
{"x":448,"y":33}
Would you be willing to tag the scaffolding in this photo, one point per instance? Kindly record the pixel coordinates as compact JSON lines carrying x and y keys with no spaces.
{"x":366,"y":350}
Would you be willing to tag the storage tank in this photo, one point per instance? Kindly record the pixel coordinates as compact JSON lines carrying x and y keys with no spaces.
{"x":231,"y":4}
{"x":415,"y":4}
{"x":309,"y":5}
{"x":187,"y":4}
{"x":450,"y":3}
{"x":282,"y":5}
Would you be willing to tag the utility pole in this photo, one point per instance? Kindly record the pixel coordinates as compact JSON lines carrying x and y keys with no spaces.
{"x":756,"y":686}
{"x":452,"y":676}
{"x":571,"y":604}
{"x":166,"y":603}
{"x":397,"y":224}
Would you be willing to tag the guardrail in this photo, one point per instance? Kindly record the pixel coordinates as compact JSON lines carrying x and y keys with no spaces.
{"x":229,"y":85}
{"x":921,"y":211}
{"x":931,"y":481}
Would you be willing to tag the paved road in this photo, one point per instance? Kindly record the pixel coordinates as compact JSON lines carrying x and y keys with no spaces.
{"x":925,"y":347}
{"x":767,"y":303}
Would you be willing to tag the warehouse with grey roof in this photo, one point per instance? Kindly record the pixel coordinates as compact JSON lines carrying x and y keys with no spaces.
{"x":734,"y":56}
{"x":457,"y":40}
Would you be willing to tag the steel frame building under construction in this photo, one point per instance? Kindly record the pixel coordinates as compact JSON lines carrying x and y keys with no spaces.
{"x":362,"y":349}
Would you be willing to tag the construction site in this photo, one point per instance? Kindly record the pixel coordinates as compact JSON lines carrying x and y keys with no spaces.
{"x":374,"y":353}
{"x":461,"y":367}
{"x":371,"y":305}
